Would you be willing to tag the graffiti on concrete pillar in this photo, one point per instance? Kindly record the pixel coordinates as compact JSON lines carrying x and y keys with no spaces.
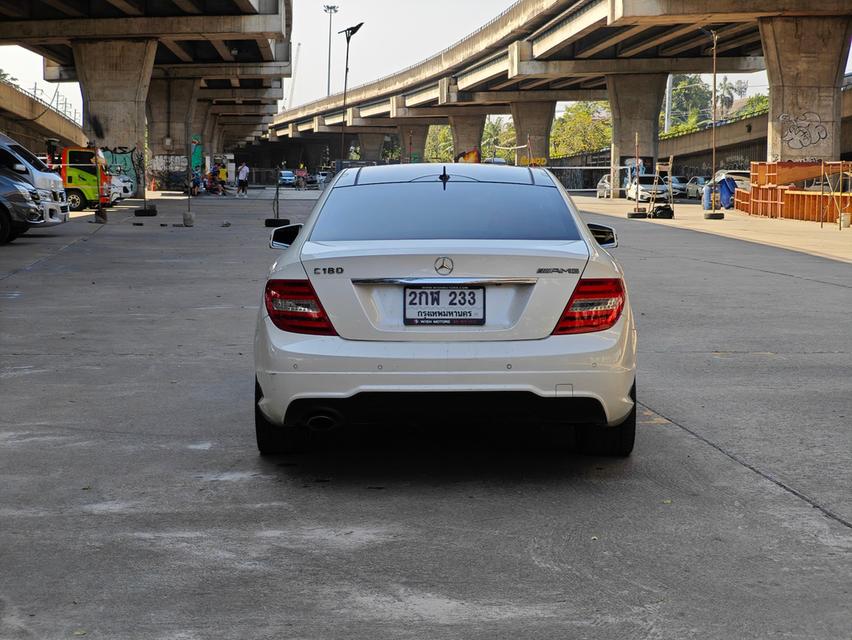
{"x":802,"y":131}
{"x":129,"y":162}
{"x":168,"y":171}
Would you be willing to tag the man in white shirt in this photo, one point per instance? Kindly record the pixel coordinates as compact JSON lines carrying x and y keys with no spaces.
{"x":242,"y":180}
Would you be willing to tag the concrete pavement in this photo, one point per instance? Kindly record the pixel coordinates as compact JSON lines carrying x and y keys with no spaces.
{"x":796,"y":235}
{"x":133,"y":503}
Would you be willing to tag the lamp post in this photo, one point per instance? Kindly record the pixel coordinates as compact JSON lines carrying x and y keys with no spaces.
{"x":351,"y":31}
{"x":330,"y":9}
{"x":713,"y":214}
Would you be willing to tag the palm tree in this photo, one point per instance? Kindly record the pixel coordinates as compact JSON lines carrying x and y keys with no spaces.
{"x":725,"y":94}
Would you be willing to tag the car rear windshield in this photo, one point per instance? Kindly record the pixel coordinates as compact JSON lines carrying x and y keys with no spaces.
{"x":429,"y":211}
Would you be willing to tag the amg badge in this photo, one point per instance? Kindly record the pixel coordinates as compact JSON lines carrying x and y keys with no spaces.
{"x":556,"y":270}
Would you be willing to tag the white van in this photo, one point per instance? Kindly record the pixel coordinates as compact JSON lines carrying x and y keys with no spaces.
{"x":54,"y":204}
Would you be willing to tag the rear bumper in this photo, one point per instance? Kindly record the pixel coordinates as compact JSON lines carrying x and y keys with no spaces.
{"x":295,"y":371}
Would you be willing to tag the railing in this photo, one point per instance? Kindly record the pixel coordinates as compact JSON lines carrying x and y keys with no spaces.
{"x":64,"y":111}
{"x":709,"y":125}
{"x":418,"y":64}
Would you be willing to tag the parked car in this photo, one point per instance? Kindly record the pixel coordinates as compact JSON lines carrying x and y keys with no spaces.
{"x":695,"y":186}
{"x":445,"y":295}
{"x":677,"y":185}
{"x":641,"y":188}
{"x":323,"y":177}
{"x":742,"y":178}
{"x":52,"y":200}
{"x":603,"y":190}
{"x":19,"y":206}
{"x":286,"y":178}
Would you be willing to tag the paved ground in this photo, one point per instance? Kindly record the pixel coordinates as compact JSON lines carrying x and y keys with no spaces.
{"x":133,"y":503}
{"x":827,"y":241}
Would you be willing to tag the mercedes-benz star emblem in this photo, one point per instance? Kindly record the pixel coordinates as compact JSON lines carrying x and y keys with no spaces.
{"x":444,"y":266}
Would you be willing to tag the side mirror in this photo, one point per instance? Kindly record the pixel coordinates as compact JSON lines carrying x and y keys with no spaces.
{"x":604,"y":235}
{"x":283,"y":237}
{"x":19,"y":168}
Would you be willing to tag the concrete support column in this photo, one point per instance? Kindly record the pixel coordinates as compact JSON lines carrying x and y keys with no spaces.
{"x":467,"y":134}
{"x":202,"y":125}
{"x":114,"y":77}
{"x":805,"y":60}
{"x":172,"y":106}
{"x":412,"y":142}
{"x":533,"y":121}
{"x":313,"y":155}
{"x":635,"y":101}
{"x":371,"y":146}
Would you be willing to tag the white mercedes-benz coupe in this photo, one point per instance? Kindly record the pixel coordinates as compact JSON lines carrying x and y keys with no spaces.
{"x":452,"y":293}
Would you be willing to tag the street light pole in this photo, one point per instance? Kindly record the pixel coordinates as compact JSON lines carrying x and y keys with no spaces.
{"x":330,"y":9}
{"x":351,"y":31}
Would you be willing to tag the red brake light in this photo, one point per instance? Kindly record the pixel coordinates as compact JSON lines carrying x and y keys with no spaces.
{"x":293,"y":306}
{"x":595,"y":305}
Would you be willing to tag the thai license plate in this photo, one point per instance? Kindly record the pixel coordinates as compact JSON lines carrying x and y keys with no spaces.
{"x":444,"y":305}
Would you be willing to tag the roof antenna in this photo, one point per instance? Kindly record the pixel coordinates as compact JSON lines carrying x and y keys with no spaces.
{"x":444,"y":177}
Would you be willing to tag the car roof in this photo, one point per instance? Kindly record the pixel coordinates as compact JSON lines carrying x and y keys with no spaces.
{"x":382,"y":174}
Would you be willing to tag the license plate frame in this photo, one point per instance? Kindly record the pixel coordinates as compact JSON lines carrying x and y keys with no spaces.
{"x":444,"y":321}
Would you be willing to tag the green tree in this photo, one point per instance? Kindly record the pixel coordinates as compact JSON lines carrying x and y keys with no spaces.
{"x":498,"y":133}
{"x":690,"y":94}
{"x":725,"y":94}
{"x":5,"y":77}
{"x":391,"y":150}
{"x":755,"y":104}
{"x":439,"y":144}
{"x":582,"y":127}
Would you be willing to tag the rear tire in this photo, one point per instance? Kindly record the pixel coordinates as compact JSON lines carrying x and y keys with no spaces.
{"x":76,"y":200}
{"x":274,"y":439}
{"x":616,"y":442}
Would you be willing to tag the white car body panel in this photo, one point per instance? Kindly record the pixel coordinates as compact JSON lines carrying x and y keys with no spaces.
{"x":514,"y":351}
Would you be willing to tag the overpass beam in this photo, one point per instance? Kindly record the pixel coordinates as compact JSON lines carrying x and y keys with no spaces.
{"x":371,"y":145}
{"x":635,"y":101}
{"x":805,"y":60}
{"x":172,"y":105}
{"x":412,"y":142}
{"x":467,"y":133}
{"x":114,"y":77}
{"x":533,"y":121}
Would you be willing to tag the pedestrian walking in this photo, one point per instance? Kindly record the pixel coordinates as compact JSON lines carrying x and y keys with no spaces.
{"x":242,"y":180}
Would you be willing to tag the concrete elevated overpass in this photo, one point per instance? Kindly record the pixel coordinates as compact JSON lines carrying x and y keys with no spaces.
{"x":541,"y":51}
{"x":741,"y":141}
{"x":31,"y":121}
{"x":191,"y":68}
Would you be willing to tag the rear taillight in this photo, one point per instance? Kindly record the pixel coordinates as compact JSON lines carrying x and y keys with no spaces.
{"x":293,"y":306}
{"x":595,"y":305}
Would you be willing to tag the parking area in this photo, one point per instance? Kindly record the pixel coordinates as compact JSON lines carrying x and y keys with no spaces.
{"x":133,"y":503}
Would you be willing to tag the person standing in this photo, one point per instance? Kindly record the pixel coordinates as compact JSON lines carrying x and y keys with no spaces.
{"x":242,"y":180}
{"x":223,"y":178}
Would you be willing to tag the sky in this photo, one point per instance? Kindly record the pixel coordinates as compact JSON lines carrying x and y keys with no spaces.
{"x":396,"y":34}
